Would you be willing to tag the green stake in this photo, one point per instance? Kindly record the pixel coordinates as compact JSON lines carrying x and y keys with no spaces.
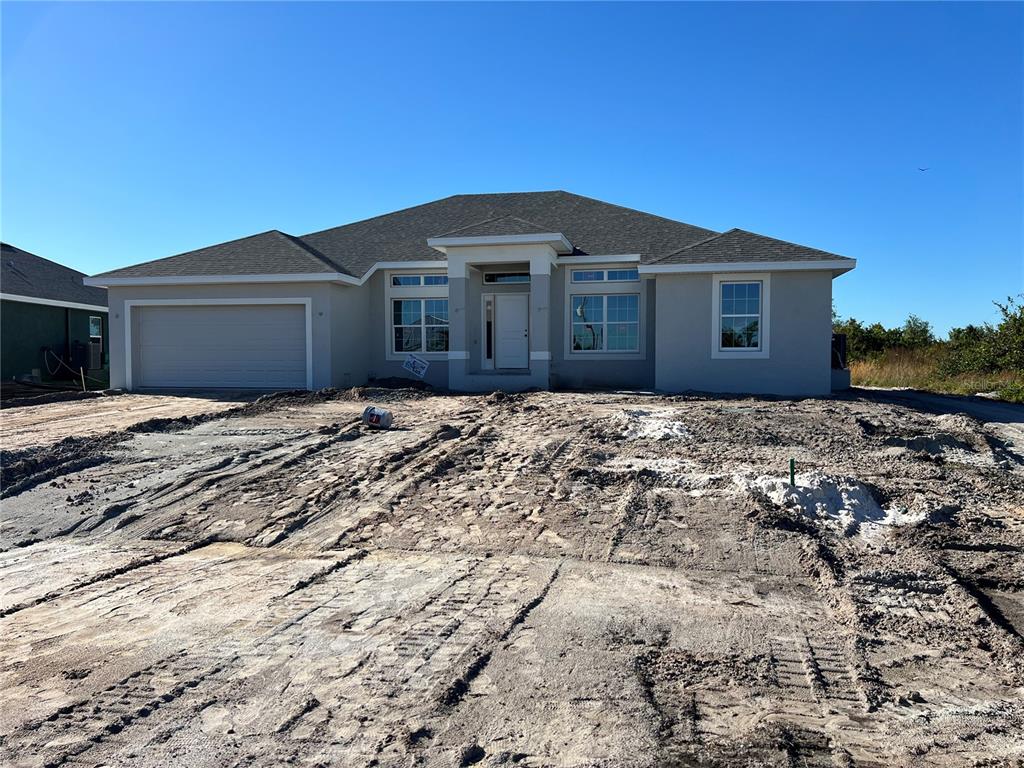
{"x":792,"y":471}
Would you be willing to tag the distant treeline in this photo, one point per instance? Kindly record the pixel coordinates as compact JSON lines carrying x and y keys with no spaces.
{"x":983,"y":348}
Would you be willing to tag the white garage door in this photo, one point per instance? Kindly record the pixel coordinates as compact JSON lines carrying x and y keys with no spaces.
{"x":259,"y":346}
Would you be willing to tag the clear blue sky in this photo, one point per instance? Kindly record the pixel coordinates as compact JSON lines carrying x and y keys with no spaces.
{"x":132,"y":132}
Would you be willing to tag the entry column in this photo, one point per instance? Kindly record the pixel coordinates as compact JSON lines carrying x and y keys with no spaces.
{"x":540,"y":321}
{"x":458,"y":349}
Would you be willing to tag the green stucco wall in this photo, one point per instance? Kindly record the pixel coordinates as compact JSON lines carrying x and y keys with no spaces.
{"x":26,"y":328}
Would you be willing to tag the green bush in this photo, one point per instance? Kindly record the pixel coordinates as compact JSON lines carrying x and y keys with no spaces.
{"x":988,"y":348}
{"x":974,"y":358}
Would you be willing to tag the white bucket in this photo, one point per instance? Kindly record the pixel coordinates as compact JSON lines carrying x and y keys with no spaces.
{"x":378,"y":418}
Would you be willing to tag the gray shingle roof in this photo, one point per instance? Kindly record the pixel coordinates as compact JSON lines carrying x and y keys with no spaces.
{"x":592,"y":226}
{"x":738,"y":245}
{"x":25,"y":274}
{"x":268,"y":253}
{"x":503,"y":225}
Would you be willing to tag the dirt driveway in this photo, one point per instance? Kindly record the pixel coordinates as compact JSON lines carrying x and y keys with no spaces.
{"x":34,"y":425}
{"x":545,"y":579}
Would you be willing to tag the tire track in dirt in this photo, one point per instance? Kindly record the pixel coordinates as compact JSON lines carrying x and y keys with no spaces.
{"x":133,"y":565}
{"x":479,"y":657}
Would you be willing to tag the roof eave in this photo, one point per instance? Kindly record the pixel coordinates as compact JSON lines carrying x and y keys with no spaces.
{"x":836,"y":266}
{"x":101,"y":281}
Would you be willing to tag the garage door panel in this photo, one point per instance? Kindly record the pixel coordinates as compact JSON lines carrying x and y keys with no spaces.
{"x":259,"y":346}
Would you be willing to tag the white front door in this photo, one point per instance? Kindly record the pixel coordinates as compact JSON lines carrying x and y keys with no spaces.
{"x":512,"y":345}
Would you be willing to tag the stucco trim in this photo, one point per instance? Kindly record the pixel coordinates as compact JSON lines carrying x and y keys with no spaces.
{"x":556,"y":240}
{"x":129,"y":304}
{"x":52,"y":302}
{"x":763,"y":352}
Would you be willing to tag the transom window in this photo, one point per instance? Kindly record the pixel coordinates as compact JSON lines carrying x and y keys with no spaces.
{"x":420,"y":325}
{"x":501,"y":278}
{"x":606,"y":323}
{"x":604,"y":275}
{"x":741,"y":315}
{"x":419,"y":279}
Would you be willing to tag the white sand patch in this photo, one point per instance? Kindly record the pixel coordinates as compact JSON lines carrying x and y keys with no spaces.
{"x":840,"y":503}
{"x":653,"y":425}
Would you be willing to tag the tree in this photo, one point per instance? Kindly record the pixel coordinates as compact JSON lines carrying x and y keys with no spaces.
{"x":916,"y":333}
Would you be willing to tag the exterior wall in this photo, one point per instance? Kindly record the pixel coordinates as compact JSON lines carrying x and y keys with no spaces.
{"x":376,"y":340}
{"x":27,"y":328}
{"x":611,"y":370}
{"x":320,"y":294}
{"x":800,"y":338}
{"x":350,"y":329}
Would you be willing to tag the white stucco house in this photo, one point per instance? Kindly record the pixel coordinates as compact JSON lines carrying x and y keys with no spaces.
{"x":495,"y":291}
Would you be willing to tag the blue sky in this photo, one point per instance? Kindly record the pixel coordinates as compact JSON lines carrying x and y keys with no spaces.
{"x":131,"y":132}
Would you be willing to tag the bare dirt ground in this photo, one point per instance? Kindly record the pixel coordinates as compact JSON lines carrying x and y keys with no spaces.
{"x":545,"y":579}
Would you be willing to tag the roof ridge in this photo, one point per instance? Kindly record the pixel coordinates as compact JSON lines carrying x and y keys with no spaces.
{"x":699,"y":242}
{"x":636,"y":210}
{"x":306,"y":248}
{"x":51,"y":261}
{"x":379,"y":216}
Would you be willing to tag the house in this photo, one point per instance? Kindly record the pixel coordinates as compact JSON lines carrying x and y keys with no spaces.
{"x":52,"y":325}
{"x":494,"y":291}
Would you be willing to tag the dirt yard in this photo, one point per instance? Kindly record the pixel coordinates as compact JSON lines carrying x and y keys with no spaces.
{"x":536,"y":580}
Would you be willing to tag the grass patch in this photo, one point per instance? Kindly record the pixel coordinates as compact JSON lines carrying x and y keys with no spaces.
{"x":921,"y":369}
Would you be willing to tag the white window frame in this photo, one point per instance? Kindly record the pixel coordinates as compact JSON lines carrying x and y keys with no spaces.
{"x":420,"y":277}
{"x":426,"y":292}
{"x":764,"y":324}
{"x":604,"y":288}
{"x":604,"y":275}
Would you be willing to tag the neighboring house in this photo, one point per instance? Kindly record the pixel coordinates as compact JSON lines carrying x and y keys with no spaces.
{"x":499,"y":291}
{"x":48,"y":316}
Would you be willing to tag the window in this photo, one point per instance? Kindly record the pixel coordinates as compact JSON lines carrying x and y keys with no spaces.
{"x":502,"y":278}
{"x":95,"y":327}
{"x":420,"y":325}
{"x":740,"y":315}
{"x":606,"y":323}
{"x":601,"y":275}
{"x":623,"y":274}
{"x":419,"y":279}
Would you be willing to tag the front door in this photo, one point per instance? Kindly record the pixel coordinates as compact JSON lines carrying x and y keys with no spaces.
{"x":512,"y":345}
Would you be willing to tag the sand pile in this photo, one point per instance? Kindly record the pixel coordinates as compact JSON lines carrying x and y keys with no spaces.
{"x":840,"y":503}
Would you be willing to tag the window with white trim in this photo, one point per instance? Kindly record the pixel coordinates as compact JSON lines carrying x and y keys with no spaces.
{"x":605,"y":322}
{"x":740,"y":315}
{"x":603,"y":275}
{"x":419,"y":325}
{"x":405,"y":280}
